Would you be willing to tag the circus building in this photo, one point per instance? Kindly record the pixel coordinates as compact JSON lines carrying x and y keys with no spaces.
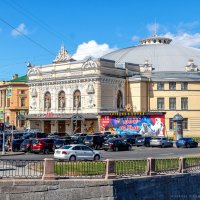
{"x":168,"y":80}
{"x":137,"y":89}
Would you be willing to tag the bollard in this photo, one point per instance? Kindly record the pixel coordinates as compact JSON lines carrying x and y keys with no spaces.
{"x":48,"y":173}
{"x":110,"y":169}
{"x":182,"y":165}
{"x":151,"y":167}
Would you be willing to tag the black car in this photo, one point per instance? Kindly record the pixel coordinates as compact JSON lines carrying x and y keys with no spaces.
{"x":34,"y":135}
{"x":16,"y":144}
{"x":60,"y":142}
{"x":143,"y":141}
{"x":116,"y":145}
{"x":26,"y":145}
{"x":94,"y":141}
{"x":131,"y":138}
{"x":77,"y":139}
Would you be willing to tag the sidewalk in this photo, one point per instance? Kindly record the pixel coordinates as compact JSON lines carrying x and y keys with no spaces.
{"x":11,"y":153}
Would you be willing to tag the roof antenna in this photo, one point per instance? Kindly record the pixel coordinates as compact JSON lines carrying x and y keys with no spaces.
{"x":155,"y":28}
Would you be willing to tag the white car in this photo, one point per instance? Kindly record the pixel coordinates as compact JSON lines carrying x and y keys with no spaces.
{"x":76,"y":152}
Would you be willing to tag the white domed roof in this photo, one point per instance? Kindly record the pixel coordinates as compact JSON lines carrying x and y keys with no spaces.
{"x":159,"y":52}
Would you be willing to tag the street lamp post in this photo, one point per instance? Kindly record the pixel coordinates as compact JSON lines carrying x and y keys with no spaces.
{"x":12,"y":136}
{"x":4,"y":112}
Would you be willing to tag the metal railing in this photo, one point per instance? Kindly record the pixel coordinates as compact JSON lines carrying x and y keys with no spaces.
{"x":192,"y":164}
{"x":80,"y":169}
{"x":21,"y":168}
{"x":167,"y":166}
{"x":130,"y":167}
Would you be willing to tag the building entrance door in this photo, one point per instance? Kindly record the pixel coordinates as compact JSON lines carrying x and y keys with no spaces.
{"x":77,"y":126}
{"x":61,"y":126}
{"x":47,"y":126}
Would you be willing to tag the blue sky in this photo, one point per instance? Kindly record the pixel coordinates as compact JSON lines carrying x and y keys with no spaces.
{"x":87,"y":27}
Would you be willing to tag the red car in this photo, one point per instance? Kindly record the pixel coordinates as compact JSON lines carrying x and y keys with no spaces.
{"x":42,"y":145}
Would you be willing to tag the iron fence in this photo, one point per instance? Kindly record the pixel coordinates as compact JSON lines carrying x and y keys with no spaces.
{"x":192,"y":164}
{"x":130,"y":167}
{"x":80,"y":169}
{"x":167,"y":166}
{"x":21,"y":168}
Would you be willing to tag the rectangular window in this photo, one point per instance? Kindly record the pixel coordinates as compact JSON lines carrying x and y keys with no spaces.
{"x":172,"y":86}
{"x":160,"y":86}
{"x":22,"y":102}
{"x":160,"y":104}
{"x":22,"y":91}
{"x":184,"y":103}
{"x":171,"y":124}
{"x":185,"y":123}
{"x":172,"y":103}
{"x":8,"y":102}
{"x":184,"y":86}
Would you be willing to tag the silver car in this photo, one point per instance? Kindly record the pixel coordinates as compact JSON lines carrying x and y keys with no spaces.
{"x":161,"y":142}
{"x":76,"y":152}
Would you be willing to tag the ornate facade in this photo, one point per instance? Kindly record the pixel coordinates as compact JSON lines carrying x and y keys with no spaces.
{"x":68,"y":95}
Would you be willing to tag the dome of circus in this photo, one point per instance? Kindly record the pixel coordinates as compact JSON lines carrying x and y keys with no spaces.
{"x":159,"y":52}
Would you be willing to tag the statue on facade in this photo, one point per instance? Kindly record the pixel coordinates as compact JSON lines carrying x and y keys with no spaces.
{"x":33,"y":98}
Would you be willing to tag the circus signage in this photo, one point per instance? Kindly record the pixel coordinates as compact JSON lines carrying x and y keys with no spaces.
{"x":146,"y":125}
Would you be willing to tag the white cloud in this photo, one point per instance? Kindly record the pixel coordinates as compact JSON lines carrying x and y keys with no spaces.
{"x":20,"y":30}
{"x":185,"y":39}
{"x":92,"y":48}
{"x":153,"y":28}
{"x":135,"y":38}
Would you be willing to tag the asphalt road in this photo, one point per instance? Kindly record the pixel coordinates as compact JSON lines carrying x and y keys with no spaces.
{"x":135,"y":153}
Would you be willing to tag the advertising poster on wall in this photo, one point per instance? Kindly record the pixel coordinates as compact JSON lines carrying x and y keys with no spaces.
{"x":146,"y":125}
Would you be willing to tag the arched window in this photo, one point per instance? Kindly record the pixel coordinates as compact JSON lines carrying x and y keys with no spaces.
{"x":61,"y":99}
{"x":77,"y":99}
{"x":119,"y":100}
{"x":47,"y":100}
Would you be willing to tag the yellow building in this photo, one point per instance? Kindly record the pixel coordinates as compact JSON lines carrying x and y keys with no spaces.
{"x":167,"y":80}
{"x":14,"y":101}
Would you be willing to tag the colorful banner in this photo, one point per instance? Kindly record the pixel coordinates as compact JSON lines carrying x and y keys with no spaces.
{"x":146,"y":125}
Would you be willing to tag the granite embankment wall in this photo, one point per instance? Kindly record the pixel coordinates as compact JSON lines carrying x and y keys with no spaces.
{"x":183,"y":186}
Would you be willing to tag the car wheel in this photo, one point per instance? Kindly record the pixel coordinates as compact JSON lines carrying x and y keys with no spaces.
{"x":46,"y":151}
{"x":162,"y":146}
{"x":105,"y":149}
{"x":72,"y":158}
{"x":177,"y":146}
{"x":187,"y":146}
{"x":96,"y":157}
{"x":15,"y":149}
{"x":116,"y":149}
{"x":130,"y":148}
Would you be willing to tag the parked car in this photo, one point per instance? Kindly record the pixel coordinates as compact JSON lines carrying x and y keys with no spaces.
{"x":79,"y":134}
{"x":77,"y":139}
{"x":60,"y":142}
{"x":131,"y":138}
{"x":143,"y":141}
{"x":116,"y":145}
{"x":186,"y":142}
{"x":75,"y":152}
{"x":34,"y":135}
{"x":15,"y":145}
{"x":161,"y":142}
{"x":94,"y":141}
{"x":26,"y":145}
{"x":42,"y":145}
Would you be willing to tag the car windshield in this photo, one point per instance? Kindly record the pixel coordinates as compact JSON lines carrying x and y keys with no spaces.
{"x":158,"y":138}
{"x":189,"y":139}
{"x":66,"y":147}
{"x":111,"y":140}
{"x":59,"y":142}
{"x":88,"y":137}
{"x":25,"y":141}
